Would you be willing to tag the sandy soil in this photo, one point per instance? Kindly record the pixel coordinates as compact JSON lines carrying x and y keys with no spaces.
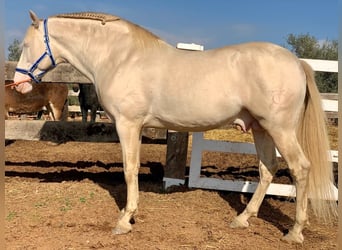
{"x":68,"y":196}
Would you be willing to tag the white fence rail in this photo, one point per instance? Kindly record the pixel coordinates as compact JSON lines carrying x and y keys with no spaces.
{"x":199,"y":144}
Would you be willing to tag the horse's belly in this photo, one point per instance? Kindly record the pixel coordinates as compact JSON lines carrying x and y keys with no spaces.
{"x":24,"y":108}
{"x":192,"y":120}
{"x":190,"y":126}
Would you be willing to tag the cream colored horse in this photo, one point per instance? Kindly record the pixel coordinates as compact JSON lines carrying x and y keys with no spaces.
{"x":142,"y":81}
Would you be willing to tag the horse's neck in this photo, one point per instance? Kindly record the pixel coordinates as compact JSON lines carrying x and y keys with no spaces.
{"x":88,"y":48}
{"x":84,"y":47}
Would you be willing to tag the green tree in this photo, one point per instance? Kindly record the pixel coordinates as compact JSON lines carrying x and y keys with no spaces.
{"x":306,"y":46}
{"x":14,"y":50}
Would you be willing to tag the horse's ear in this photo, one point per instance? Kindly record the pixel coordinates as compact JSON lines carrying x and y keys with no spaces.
{"x":35,"y":19}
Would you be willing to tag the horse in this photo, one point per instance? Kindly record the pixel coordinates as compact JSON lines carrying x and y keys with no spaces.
{"x":142,"y":81}
{"x":52,"y":96}
{"x":88,"y":100}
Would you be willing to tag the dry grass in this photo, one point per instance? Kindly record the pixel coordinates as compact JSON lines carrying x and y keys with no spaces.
{"x":233,"y":134}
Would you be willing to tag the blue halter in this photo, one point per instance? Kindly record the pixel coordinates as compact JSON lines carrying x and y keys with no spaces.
{"x":47,"y":52}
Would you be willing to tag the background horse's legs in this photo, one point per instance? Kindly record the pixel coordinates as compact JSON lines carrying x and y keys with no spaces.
{"x":130,"y":139}
{"x":299,"y":166}
{"x":65,"y":111}
{"x":52,"y":112}
{"x":93,"y":111}
{"x":267,"y":167}
{"x":39,"y":115}
{"x":58,"y":111}
{"x":84,"y":111}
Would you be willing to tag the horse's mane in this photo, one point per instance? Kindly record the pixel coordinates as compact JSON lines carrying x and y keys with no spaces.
{"x":103,"y":17}
{"x":142,"y":37}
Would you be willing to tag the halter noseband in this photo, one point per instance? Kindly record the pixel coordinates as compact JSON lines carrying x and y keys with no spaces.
{"x":47,"y":52}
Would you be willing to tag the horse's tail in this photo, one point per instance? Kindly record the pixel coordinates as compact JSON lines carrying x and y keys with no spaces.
{"x":313,"y":137}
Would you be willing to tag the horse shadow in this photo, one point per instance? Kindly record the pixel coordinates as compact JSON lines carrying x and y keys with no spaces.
{"x":239,"y":201}
{"x":104,"y":176}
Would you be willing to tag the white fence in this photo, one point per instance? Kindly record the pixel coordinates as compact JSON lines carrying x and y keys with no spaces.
{"x":199,"y":144}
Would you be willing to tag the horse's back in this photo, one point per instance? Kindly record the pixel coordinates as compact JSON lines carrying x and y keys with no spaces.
{"x":212,"y":87}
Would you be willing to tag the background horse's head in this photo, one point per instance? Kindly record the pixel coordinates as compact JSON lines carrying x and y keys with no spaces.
{"x":36,"y":58}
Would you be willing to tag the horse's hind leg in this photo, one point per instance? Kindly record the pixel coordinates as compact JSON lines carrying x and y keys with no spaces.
{"x":58,"y":112}
{"x":52,"y":111}
{"x":299,"y":166}
{"x":267,"y":167}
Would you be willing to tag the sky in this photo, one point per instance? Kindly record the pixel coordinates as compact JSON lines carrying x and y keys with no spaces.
{"x":211,"y":23}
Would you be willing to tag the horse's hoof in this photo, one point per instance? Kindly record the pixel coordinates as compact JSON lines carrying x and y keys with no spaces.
{"x":118,"y":231}
{"x":293,"y":238}
{"x":237,"y":223}
{"x":122,"y":228}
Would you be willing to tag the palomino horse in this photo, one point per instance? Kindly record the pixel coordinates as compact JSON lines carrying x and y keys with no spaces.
{"x":142,"y":81}
{"x":53,"y":96}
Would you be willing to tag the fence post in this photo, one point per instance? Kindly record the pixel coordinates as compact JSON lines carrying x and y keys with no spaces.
{"x":176,"y":156}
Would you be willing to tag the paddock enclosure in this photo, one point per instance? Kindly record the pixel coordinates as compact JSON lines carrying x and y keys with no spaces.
{"x":68,"y":195}
{"x":123,"y":224}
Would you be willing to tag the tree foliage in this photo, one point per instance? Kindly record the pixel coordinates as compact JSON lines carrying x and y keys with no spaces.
{"x":306,"y":46}
{"x":14,"y":50}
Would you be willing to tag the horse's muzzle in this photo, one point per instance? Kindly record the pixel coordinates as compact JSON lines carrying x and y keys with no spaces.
{"x":24,"y":86}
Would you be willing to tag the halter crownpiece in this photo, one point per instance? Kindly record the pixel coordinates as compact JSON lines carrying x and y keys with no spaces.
{"x":30,"y":72}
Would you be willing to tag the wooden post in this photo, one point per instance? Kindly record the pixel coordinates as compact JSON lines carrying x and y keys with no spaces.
{"x":176,"y":156}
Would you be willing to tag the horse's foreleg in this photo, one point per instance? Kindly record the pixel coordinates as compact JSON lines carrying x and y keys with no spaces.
{"x":267,"y":167}
{"x":130,"y":139}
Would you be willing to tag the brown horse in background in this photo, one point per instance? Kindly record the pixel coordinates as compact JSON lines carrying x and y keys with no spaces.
{"x":53,"y":96}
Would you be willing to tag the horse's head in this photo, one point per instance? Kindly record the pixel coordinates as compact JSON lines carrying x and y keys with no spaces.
{"x":36,"y":57}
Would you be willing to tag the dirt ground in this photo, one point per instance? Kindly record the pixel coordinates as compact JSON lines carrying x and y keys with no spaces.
{"x":68,"y":196}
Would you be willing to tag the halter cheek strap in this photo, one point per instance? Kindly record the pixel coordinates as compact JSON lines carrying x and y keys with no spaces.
{"x":30,"y":72}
